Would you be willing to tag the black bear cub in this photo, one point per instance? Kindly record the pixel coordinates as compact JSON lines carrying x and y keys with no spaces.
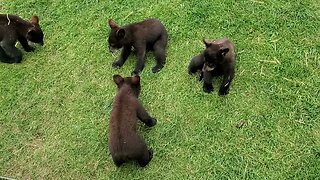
{"x":13,"y":29}
{"x":124,"y":143}
{"x":146,"y":35}
{"x":218,"y":59}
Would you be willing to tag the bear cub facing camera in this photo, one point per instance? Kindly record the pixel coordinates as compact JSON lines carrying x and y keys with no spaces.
{"x":218,"y":59}
{"x":143,"y":36}
{"x":13,"y":29}
{"x":124,"y":142}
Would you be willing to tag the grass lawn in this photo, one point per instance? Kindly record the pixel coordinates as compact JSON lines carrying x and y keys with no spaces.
{"x":55,"y":105}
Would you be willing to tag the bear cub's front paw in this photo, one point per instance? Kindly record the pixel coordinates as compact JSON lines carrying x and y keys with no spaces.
{"x":223,"y":92}
{"x":207,"y":88}
{"x":29,"y":49}
{"x":116,"y":65}
{"x":151,"y":122}
{"x":157,"y":68}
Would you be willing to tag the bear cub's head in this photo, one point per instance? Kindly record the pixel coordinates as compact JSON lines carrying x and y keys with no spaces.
{"x":128,"y":82}
{"x":116,"y":36}
{"x":34,"y":33}
{"x":214,"y":55}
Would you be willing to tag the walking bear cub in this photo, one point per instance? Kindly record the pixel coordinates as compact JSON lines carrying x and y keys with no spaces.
{"x":146,"y":35}
{"x":217,"y":59}
{"x":13,"y":29}
{"x":124,"y":143}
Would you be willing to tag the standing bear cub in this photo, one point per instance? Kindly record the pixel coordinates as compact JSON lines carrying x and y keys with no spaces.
{"x":13,"y":29}
{"x":218,"y":59}
{"x":124,"y":143}
{"x":146,"y":35}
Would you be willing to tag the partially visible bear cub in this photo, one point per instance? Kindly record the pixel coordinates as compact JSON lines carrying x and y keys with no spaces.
{"x":124,"y":143}
{"x":146,"y":35}
{"x":217,"y":59}
{"x":13,"y":29}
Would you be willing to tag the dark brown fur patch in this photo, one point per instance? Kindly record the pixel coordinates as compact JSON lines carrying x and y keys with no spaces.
{"x":124,"y":142}
{"x":142,"y":36}
{"x":218,"y":59}
{"x":13,"y":29}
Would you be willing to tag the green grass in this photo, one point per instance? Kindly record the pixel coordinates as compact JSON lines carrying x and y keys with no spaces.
{"x":55,"y":106}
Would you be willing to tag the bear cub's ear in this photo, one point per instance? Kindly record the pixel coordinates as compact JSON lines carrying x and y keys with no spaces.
{"x":121,"y":33}
{"x":207,"y":43}
{"x":135,"y":80}
{"x":113,"y":24}
{"x":223,"y":51}
{"x":35,"y":20}
{"x":118,"y":79}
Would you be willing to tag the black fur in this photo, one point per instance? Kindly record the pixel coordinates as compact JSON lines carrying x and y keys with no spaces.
{"x":146,"y":35}
{"x":124,"y":143}
{"x":218,"y":59}
{"x":196,"y":65}
{"x":13,"y":29}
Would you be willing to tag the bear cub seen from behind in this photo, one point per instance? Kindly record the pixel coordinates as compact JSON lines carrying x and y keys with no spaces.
{"x":124,"y":143}
{"x":146,"y":35}
{"x":13,"y":29}
{"x":218,"y":59}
